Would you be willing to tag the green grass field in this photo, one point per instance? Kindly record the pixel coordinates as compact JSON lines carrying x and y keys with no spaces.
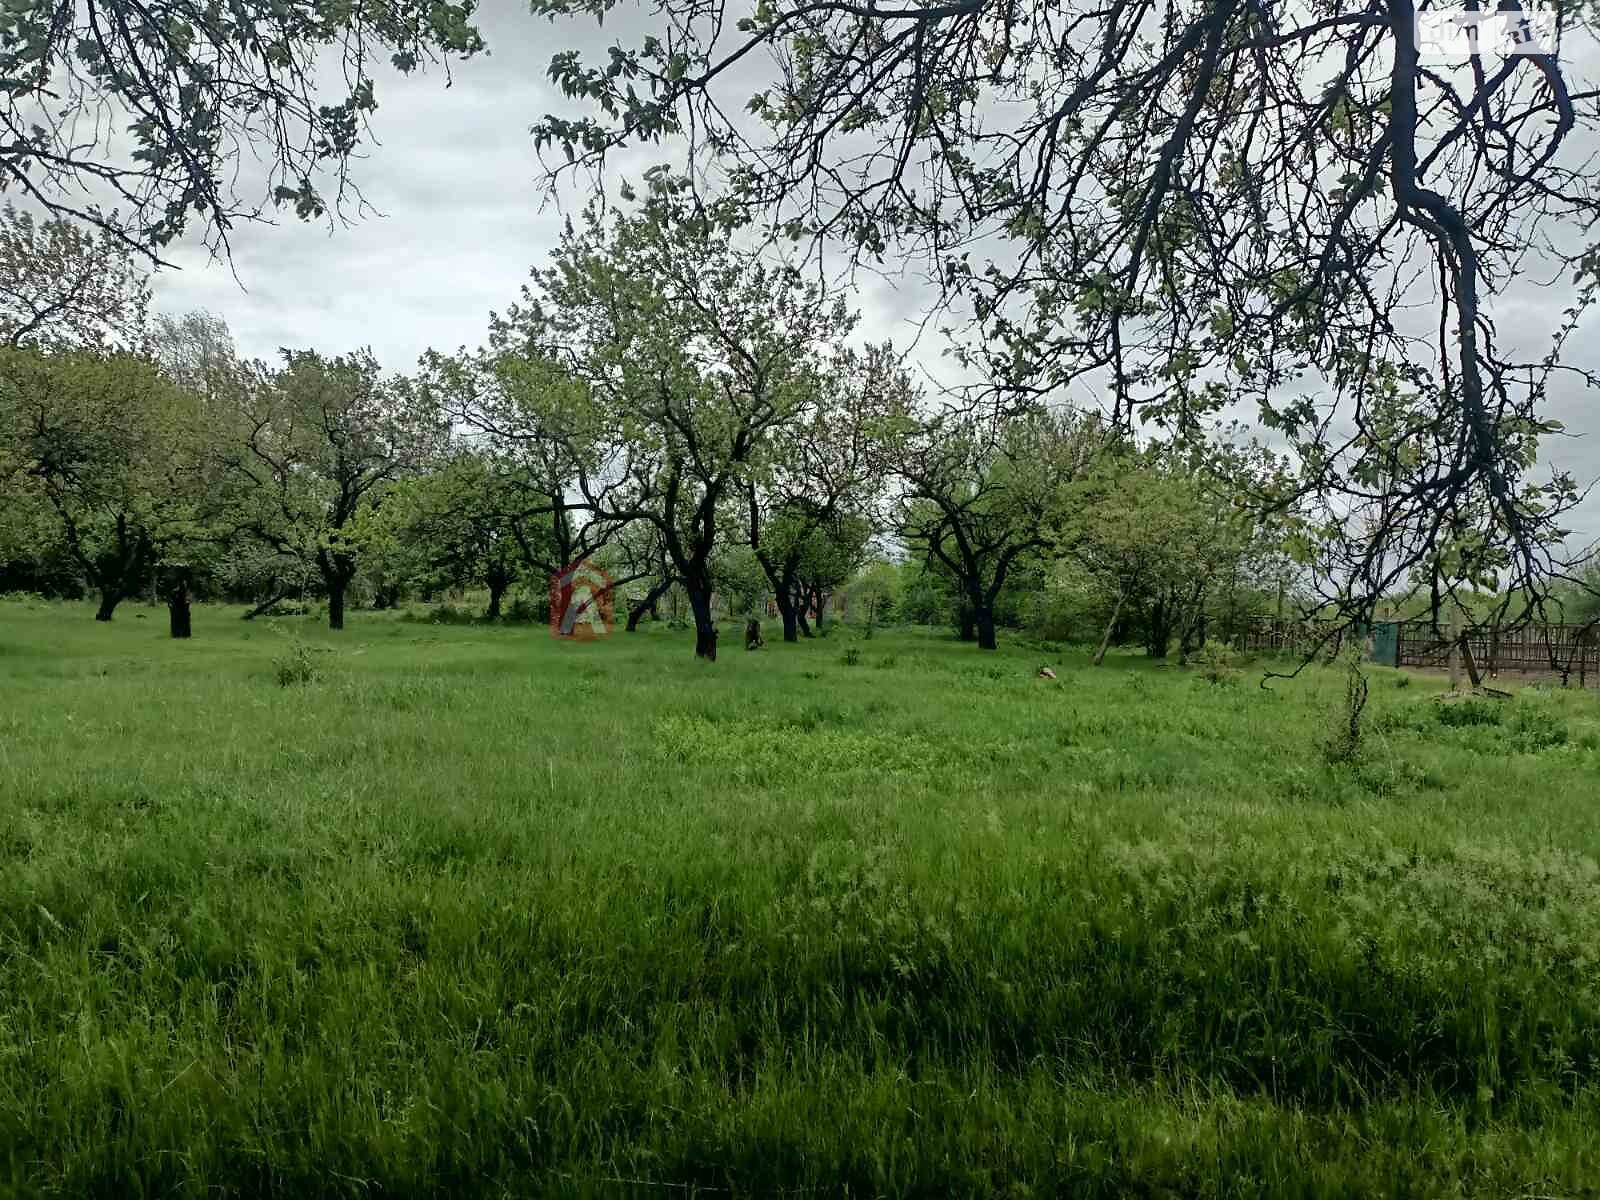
{"x":476,"y":913}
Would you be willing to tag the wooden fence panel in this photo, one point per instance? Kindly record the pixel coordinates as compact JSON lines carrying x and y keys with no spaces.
{"x":1573,"y":650}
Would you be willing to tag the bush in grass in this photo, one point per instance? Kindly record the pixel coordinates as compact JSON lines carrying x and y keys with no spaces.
{"x":295,"y":665}
{"x":851,"y":657}
{"x":528,"y":610}
{"x":1468,"y":713}
{"x":1531,"y":730}
{"x":1216,"y":663}
{"x":1344,"y":744}
{"x":452,"y":614}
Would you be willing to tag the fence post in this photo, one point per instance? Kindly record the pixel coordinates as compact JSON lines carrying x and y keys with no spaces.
{"x":1455,"y":652}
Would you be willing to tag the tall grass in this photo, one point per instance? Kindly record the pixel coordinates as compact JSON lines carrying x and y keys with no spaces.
{"x":470,"y":912}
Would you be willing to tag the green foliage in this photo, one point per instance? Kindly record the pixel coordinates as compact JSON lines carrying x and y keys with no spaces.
{"x":1344,"y":744}
{"x":529,"y":609}
{"x":691,"y":354}
{"x":982,"y":498}
{"x":296,"y":664}
{"x":464,"y":521}
{"x":323,"y":443}
{"x":62,"y":286}
{"x":1535,"y":727}
{"x":874,"y":594}
{"x":1216,"y":662}
{"x":201,"y":88}
{"x":111,"y":463}
{"x":1469,"y":713}
{"x":445,"y":614}
{"x":1159,"y":539}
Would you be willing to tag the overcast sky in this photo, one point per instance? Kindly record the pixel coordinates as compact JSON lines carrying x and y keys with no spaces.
{"x":464,"y":216}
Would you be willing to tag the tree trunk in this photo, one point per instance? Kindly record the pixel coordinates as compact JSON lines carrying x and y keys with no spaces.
{"x":336,"y":589}
{"x":1190,"y":638}
{"x":266,"y":604}
{"x":1472,"y":664}
{"x":1455,"y":654}
{"x":109,"y":599}
{"x":786,"y":612}
{"x":983,"y":618}
{"x":497,"y":589}
{"x":1160,"y":639}
{"x":819,"y":605}
{"x":800,"y":606}
{"x":178,"y":607}
{"x":705,"y":628}
{"x":648,"y":605}
{"x":966,"y":622}
{"x":1105,"y":641}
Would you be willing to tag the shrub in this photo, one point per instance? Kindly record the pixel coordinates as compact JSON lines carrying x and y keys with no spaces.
{"x":1216,"y":663}
{"x":887,"y":663}
{"x":289,"y":608}
{"x":528,"y":610}
{"x":1344,"y":744}
{"x":851,"y":657}
{"x":1531,"y":730}
{"x":987,"y":672}
{"x":1467,"y":713}
{"x":295,"y":665}
{"x":1407,"y":718}
{"x":450,"y":614}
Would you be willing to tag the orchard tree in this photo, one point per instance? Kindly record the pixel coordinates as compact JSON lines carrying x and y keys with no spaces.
{"x":454,"y":524}
{"x":1185,"y":205}
{"x":689,"y":351}
{"x":1124,"y":531}
{"x":641,"y":551}
{"x":116,"y":455}
{"x":829,"y":556}
{"x":197,"y":352}
{"x":1167,"y":530}
{"x":1580,"y":599}
{"x":156,"y":106}
{"x":739,"y":580}
{"x":554,"y":459}
{"x":263,"y":555}
{"x":822,"y":471}
{"x":320,"y":447}
{"x":981,"y":491}
{"x":63,"y":285}
{"x":877,"y":590}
